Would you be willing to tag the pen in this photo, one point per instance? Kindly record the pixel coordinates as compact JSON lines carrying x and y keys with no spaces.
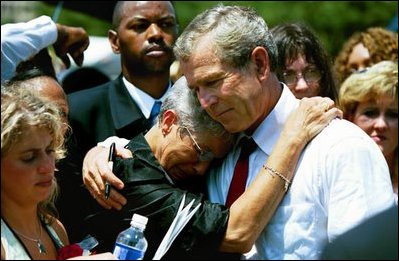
{"x":111,"y":156}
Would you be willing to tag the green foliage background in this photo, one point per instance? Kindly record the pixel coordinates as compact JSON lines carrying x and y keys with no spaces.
{"x":333,"y":21}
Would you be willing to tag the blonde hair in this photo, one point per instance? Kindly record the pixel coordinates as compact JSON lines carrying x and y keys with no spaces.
{"x":368,"y":85}
{"x":379,"y":80}
{"x":22,"y":109}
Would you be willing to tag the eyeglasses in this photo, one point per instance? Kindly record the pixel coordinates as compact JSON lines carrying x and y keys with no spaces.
{"x":310,"y":76}
{"x":362,"y":70}
{"x":203,"y":155}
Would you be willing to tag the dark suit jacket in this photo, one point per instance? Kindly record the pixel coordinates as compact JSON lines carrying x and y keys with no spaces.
{"x":103,"y":111}
{"x":150,"y":192}
{"x":95,"y":114}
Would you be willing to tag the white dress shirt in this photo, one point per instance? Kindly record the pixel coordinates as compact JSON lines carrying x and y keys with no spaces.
{"x":21,"y":41}
{"x":143,"y":99}
{"x":341,"y":180}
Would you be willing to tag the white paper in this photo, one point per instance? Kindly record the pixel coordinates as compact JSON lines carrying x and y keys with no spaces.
{"x":179,"y":222}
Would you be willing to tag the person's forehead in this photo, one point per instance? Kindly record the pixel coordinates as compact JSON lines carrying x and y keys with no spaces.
{"x":31,"y":135}
{"x":148,"y":9}
{"x":203,"y":61}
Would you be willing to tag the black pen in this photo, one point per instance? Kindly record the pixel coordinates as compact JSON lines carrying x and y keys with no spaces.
{"x":111,"y":156}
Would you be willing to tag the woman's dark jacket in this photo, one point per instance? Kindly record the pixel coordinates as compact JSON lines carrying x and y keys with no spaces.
{"x":150,"y":192}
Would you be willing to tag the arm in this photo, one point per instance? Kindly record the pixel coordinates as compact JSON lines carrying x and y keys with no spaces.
{"x":251,"y":212}
{"x":21,"y":41}
{"x":96,"y":171}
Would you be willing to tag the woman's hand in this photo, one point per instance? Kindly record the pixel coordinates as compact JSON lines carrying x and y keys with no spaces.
{"x":310,"y":118}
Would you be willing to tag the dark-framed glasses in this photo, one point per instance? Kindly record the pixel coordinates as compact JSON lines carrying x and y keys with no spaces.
{"x":203,"y":155}
{"x":309,"y":75}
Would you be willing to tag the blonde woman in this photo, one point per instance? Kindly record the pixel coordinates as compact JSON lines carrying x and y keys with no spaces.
{"x":31,"y":142}
{"x":369,"y":99}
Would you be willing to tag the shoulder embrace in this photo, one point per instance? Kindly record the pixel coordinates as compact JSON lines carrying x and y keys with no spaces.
{"x":340,"y":129}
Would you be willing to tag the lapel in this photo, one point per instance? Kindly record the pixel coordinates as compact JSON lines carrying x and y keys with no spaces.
{"x":124,"y":109}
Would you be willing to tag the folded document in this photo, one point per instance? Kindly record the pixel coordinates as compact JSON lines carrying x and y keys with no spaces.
{"x":179,"y":222}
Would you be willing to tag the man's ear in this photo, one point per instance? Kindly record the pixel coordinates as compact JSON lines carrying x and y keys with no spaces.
{"x":114,"y":41}
{"x":169,"y":119}
{"x":260,"y":59}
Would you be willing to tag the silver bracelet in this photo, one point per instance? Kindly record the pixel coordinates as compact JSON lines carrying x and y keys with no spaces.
{"x":275,"y":172}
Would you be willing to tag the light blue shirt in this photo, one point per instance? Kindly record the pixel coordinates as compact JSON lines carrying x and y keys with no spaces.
{"x":341,"y":179}
{"x":21,"y":41}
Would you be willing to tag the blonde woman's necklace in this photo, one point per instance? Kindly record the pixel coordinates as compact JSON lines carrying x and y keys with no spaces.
{"x":39,"y":244}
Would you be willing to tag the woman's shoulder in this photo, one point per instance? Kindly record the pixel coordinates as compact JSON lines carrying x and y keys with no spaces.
{"x":60,"y":231}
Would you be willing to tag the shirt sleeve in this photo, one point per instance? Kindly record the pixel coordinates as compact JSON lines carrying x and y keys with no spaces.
{"x":121,"y":142}
{"x":20,"y":41}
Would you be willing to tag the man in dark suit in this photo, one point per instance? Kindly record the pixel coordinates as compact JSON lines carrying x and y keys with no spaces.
{"x":143,"y":34}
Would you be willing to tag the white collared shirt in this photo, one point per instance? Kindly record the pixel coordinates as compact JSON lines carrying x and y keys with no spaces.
{"x":341,"y":180}
{"x":143,"y":99}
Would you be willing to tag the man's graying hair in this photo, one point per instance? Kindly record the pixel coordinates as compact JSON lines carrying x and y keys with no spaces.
{"x":235,"y":31}
{"x":190,"y":113}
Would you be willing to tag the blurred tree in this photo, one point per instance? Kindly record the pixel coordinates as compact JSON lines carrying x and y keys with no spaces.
{"x":333,"y":21}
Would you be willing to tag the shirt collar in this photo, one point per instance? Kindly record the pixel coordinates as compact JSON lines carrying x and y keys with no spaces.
{"x":268,"y":132}
{"x":144,"y":100}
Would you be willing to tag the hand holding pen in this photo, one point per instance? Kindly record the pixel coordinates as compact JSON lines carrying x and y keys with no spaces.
{"x":111,"y":157}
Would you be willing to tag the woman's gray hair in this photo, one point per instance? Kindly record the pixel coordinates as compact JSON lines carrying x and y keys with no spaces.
{"x":190,"y":114}
{"x":235,"y":32}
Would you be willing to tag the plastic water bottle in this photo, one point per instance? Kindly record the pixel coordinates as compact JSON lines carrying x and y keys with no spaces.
{"x":131,"y":243}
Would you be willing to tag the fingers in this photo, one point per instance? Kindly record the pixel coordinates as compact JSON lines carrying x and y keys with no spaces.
{"x":96,"y":171}
{"x":114,"y":200}
{"x":324,"y":103}
{"x":123,"y":153}
{"x":73,"y":41}
{"x":105,"y":173}
{"x":333,"y":113}
{"x":77,"y":51}
{"x":78,"y":58}
{"x":65,"y":60}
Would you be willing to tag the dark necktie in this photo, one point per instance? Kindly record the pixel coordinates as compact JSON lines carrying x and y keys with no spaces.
{"x":237,"y":185}
{"x":154,"y":112}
